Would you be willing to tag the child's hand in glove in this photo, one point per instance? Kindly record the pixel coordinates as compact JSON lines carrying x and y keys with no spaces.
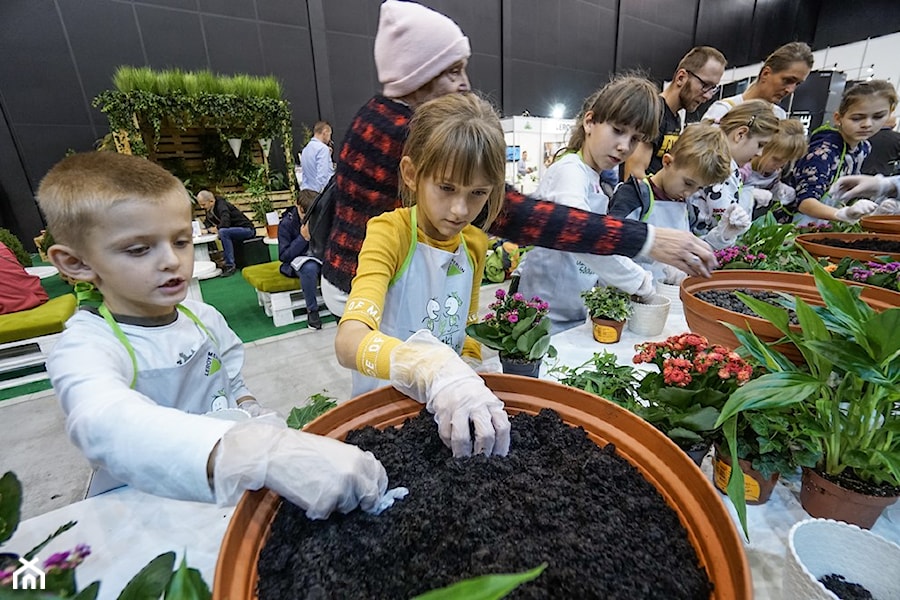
{"x":429,"y":371}
{"x":853,"y":213}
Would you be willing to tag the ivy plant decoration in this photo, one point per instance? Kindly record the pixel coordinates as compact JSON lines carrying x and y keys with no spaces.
{"x":241,"y":106}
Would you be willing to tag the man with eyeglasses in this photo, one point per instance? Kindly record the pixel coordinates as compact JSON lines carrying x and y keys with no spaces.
{"x":695,"y":81}
{"x":782,"y":72}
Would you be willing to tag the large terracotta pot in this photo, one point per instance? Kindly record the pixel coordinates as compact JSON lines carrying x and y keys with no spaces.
{"x":882,"y":224}
{"x":811,"y":242}
{"x":709,"y":526}
{"x":824,"y":499}
{"x":706,"y":319}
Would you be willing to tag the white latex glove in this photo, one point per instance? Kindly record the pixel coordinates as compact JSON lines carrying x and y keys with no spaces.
{"x":673,"y":275}
{"x":887,"y":207}
{"x":429,"y":371}
{"x":783,"y":193}
{"x":483,"y":366}
{"x":314,"y":472}
{"x":733,"y":223}
{"x":255,"y":409}
{"x":853,"y":213}
{"x":863,"y":186}
{"x":761,"y":197}
{"x":647,"y":289}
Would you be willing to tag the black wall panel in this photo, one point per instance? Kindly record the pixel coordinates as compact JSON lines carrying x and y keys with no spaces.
{"x":526,"y":54}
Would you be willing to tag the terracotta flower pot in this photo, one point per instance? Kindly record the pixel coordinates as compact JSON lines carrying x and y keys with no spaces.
{"x":757,"y":488}
{"x":812,"y":243}
{"x":272,"y":231}
{"x":606,"y":331}
{"x":881,"y":224}
{"x":706,"y":319}
{"x":709,"y":527}
{"x":822,"y":498}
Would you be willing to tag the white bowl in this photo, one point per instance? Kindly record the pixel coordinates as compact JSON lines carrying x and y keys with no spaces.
{"x":820,"y":547}
{"x":649,"y":318}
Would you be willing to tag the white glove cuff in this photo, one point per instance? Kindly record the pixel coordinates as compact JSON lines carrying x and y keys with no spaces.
{"x":241,"y":459}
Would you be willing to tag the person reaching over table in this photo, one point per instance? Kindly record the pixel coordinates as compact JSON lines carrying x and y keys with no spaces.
{"x":421,"y":54}
{"x":880,"y":189}
{"x":419,"y":272}
{"x":142,"y":378}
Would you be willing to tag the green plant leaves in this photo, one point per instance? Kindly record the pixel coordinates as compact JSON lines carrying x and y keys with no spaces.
{"x":10,"y":504}
{"x":319,"y":404}
{"x":187,"y":584}
{"x":486,"y":587}
{"x":151,"y":581}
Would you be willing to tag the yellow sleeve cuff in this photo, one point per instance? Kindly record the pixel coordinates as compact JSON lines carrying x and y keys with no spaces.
{"x":373,"y":357}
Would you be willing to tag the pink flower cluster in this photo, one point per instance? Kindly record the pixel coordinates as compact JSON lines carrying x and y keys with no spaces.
{"x":511,"y":308}
{"x":732,"y":254}
{"x":60,"y":561}
{"x":689,"y":358}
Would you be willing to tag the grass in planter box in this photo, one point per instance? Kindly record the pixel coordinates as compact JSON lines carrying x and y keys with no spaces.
{"x":603,"y":530}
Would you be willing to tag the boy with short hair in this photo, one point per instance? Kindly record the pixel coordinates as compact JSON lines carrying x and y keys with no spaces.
{"x":700,"y":157}
{"x":141,"y":377}
{"x":293,"y":252}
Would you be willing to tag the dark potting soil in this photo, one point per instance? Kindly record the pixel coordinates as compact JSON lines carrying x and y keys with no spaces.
{"x":728,"y":300}
{"x":845,"y":590}
{"x":872,"y":244}
{"x":848,"y":480}
{"x":558,"y":498}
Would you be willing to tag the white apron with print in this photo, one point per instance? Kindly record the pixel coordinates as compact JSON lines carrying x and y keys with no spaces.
{"x":209,"y":385}
{"x":663,"y":213}
{"x":432,"y":291}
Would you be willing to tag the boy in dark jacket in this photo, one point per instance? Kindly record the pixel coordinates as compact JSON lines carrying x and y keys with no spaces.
{"x":293,"y":248}
{"x":228,"y":222}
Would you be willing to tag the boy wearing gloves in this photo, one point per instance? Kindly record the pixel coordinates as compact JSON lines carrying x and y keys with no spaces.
{"x":141,"y":377}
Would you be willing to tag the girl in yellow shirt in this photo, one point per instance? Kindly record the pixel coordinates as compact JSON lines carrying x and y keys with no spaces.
{"x":420,"y":268}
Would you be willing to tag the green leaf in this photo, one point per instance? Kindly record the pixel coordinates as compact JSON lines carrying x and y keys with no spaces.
{"x":881,"y":331}
{"x":152,"y":580}
{"x":777,"y":315}
{"x":680,"y":434}
{"x":702,"y":419}
{"x":772,"y":359}
{"x":772,"y":390}
{"x":10,"y":505}
{"x":486,"y":587}
{"x":187,"y":584}
{"x":319,"y":404}
{"x":523,"y":326}
{"x":850,"y":357}
{"x":841,"y":302}
{"x":88,"y":593}
{"x":61,"y":530}
{"x":735,"y":486}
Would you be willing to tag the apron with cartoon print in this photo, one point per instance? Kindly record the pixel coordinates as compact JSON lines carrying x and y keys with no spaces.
{"x":209,"y":385}
{"x":432,"y":290}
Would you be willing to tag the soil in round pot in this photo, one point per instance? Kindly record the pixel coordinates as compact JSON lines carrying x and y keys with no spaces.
{"x":523,"y":367}
{"x":757,"y":488}
{"x":557,"y":498}
{"x":846,"y":499}
{"x":691,"y":494}
{"x":845,"y":590}
{"x":606,"y":331}
{"x":706,"y":318}
{"x":861,"y":246}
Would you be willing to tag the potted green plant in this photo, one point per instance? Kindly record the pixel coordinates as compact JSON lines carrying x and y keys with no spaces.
{"x":517,"y":329}
{"x":844,"y":396}
{"x":608,"y":307}
{"x":602,"y":376}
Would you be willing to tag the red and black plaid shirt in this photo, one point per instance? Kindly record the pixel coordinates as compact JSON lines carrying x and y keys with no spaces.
{"x":368,"y":185}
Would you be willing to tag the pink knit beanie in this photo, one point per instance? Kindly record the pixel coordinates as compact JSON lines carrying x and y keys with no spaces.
{"x":414,"y":45}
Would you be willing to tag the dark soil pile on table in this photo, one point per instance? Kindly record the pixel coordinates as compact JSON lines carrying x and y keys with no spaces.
{"x":844,"y":589}
{"x":872,"y":244}
{"x":728,"y":300}
{"x":558,"y":498}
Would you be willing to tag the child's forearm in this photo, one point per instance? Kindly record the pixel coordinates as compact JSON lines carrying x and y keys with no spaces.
{"x":815,"y":209}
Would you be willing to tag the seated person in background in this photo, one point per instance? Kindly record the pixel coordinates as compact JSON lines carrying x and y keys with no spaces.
{"x":140,"y":378}
{"x":700,"y":157}
{"x":763,"y":173}
{"x":420,"y":269}
{"x":722,"y":211}
{"x":293,"y":246}
{"x":612,"y":122}
{"x":228,"y":222}
{"x":19,"y":290}
{"x":837,"y":151}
